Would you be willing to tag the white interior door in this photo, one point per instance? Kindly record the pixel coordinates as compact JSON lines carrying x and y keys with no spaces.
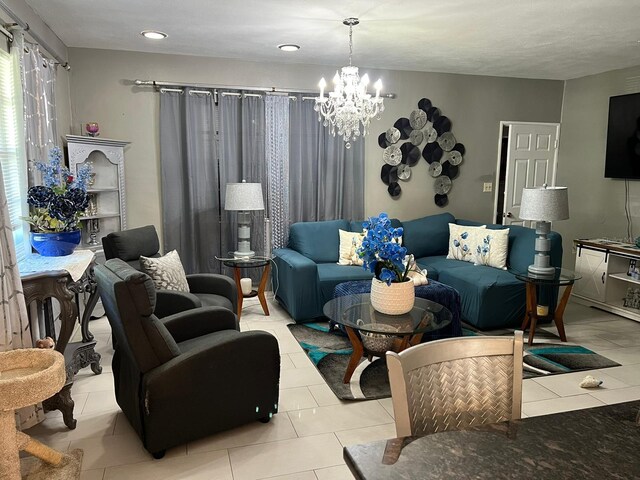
{"x":532,"y":156}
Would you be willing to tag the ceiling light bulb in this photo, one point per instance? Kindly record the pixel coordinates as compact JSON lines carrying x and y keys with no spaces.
{"x":153,"y":34}
{"x":289,"y":47}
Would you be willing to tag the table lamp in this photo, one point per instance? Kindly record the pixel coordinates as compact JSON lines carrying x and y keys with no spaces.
{"x":244,"y":197}
{"x":543,"y":205}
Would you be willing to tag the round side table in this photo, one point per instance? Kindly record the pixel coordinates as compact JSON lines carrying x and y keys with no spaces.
{"x":560,"y":278}
{"x":238,"y":264}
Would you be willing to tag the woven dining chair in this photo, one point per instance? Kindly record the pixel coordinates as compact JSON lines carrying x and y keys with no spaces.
{"x":456,"y":383}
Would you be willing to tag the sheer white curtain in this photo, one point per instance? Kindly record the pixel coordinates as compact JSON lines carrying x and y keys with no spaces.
{"x":15,"y":331}
{"x":276,"y":111}
{"x":38,"y":79}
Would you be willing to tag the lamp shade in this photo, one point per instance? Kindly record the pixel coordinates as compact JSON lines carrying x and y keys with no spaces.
{"x":243,"y":196}
{"x":544,"y":204}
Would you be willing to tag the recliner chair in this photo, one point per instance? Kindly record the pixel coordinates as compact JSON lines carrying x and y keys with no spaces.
{"x":188,"y":375}
{"x":206,"y":289}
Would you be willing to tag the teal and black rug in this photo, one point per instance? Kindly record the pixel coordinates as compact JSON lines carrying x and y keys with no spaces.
{"x":330,"y":351}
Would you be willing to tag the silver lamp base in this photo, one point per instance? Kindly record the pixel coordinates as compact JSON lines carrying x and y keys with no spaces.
{"x":541,"y":262}
{"x":247,"y":254}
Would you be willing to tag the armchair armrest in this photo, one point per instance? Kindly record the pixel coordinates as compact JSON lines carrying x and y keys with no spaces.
{"x":169,"y":302}
{"x":214,"y":283}
{"x":199,"y":321}
{"x":233,"y":374}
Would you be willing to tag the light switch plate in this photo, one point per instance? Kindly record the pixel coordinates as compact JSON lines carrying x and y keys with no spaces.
{"x":487,"y":187}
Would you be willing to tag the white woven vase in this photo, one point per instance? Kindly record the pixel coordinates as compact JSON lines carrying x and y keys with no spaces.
{"x":394,"y":299}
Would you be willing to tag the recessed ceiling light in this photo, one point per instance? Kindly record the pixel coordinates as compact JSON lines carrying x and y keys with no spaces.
{"x":289,"y":47}
{"x":153,"y":34}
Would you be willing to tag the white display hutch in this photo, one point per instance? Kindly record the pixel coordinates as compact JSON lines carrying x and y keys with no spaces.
{"x":107,"y":191}
{"x":604,"y":265}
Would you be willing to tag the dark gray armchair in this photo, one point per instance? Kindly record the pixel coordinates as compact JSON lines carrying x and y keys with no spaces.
{"x":188,"y":375}
{"x":206,"y":289}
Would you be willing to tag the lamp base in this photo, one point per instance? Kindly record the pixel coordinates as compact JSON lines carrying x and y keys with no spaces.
{"x":248,"y":254}
{"x":541,"y":271}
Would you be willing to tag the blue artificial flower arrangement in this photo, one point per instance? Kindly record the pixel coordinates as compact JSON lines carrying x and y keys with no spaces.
{"x":381,"y":251}
{"x":57,"y":205}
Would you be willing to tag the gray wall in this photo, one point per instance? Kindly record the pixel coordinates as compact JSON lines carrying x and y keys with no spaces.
{"x":101,"y":91}
{"x":596,"y":204}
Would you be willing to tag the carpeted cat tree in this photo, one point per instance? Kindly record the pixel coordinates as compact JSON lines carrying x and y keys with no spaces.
{"x":29,"y":376}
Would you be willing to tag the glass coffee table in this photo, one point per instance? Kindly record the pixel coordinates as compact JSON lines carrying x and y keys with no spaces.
{"x":373,"y":333}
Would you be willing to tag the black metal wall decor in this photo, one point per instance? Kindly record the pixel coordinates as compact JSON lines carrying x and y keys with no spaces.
{"x":442,"y":151}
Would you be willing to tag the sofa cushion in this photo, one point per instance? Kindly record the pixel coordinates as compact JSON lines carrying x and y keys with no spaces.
{"x":437,"y":264}
{"x":331,"y":274}
{"x":427,"y":236}
{"x":491,"y":298}
{"x":356,"y":225}
{"x":318,"y":241}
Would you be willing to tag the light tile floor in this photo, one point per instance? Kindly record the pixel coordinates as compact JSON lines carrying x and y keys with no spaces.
{"x":304,"y":441}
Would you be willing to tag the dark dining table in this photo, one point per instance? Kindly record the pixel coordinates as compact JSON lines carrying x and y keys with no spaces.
{"x":595,"y":443}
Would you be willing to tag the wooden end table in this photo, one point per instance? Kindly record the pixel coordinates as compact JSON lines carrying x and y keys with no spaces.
{"x":238,"y":264}
{"x":560,"y":278}
{"x":357,"y":316}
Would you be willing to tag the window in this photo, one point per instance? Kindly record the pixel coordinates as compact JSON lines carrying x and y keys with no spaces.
{"x":12,"y":158}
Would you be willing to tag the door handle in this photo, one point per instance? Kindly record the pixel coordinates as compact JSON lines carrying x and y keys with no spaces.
{"x":509,"y":215}
{"x":603,"y":274}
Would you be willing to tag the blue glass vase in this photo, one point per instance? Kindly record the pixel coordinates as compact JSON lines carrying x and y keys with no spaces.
{"x":55,"y":244}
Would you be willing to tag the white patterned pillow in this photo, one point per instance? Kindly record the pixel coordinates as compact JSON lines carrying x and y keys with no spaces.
{"x":350,"y":242}
{"x":166,"y":272}
{"x":463,"y":242}
{"x":491,"y":247}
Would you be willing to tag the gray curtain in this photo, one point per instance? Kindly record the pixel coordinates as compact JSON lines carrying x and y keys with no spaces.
{"x":242,"y":157}
{"x":190,"y":182}
{"x":326,"y":180}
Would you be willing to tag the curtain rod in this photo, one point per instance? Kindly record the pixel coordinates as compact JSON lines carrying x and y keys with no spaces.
{"x":25,"y":26}
{"x":159,"y":84}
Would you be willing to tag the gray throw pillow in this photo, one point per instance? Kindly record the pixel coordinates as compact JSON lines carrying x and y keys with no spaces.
{"x":166,"y":272}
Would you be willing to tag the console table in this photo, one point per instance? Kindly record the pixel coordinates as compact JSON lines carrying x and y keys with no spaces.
{"x":63,"y":278}
{"x":603,"y":265}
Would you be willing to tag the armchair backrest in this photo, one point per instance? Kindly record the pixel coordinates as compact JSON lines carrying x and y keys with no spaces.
{"x":129,"y":297}
{"x":128,"y":245}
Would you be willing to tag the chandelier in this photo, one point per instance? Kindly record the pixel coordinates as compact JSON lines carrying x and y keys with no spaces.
{"x":349,"y":105}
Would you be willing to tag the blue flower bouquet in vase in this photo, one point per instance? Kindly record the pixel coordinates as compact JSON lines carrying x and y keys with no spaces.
{"x":392,"y":291}
{"x":56,"y":207}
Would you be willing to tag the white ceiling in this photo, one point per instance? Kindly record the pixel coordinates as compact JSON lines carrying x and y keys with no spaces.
{"x":555,"y":39}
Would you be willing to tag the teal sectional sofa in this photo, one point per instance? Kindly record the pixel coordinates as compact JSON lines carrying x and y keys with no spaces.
{"x":306,"y":271}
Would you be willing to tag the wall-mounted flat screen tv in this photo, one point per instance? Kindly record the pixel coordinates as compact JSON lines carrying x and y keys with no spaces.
{"x":623,"y":137}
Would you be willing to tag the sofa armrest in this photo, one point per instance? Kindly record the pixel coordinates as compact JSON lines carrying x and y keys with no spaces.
{"x":169,"y":302}
{"x":214,"y":283}
{"x":295,"y":280}
{"x":199,"y":321}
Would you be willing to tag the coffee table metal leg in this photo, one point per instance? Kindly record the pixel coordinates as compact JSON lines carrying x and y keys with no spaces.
{"x":262,"y":287}
{"x":358,"y":352}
